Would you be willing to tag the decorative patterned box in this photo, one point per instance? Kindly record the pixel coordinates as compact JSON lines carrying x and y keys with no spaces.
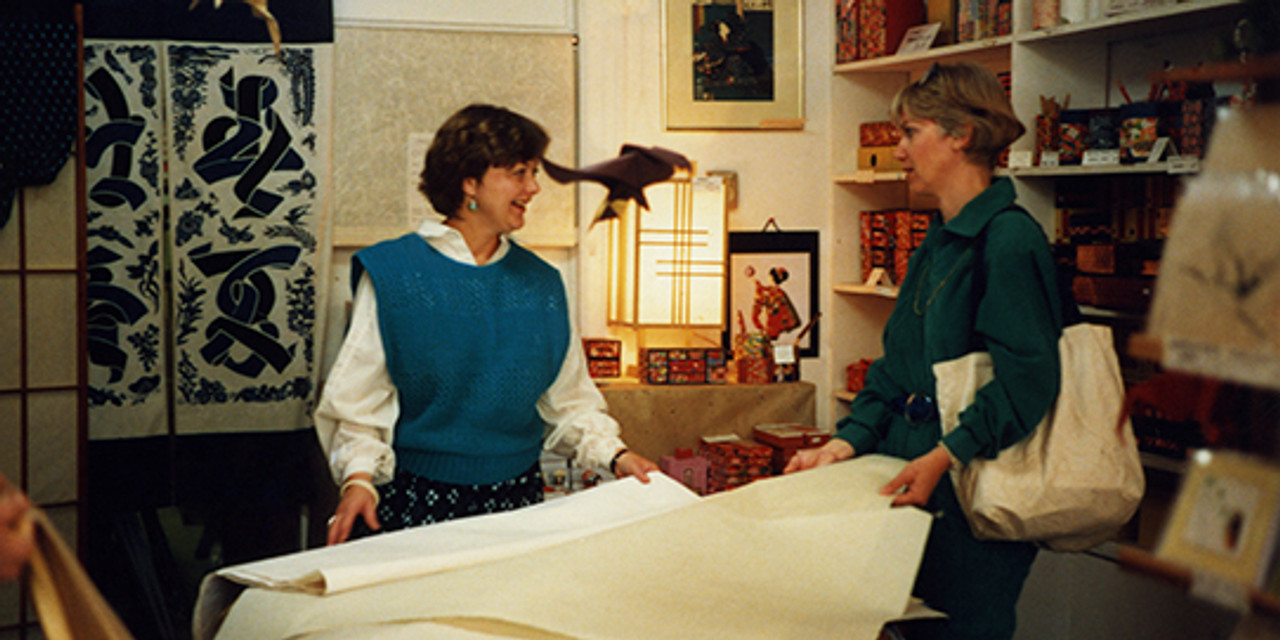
{"x":846,"y":30}
{"x":857,"y":374}
{"x":787,"y":438}
{"x":604,"y":357}
{"x":733,"y":461}
{"x":889,"y":238}
{"x":881,"y":24}
{"x":881,"y":133}
{"x":686,"y":468}
{"x":878,"y":159}
{"x":683,"y":366}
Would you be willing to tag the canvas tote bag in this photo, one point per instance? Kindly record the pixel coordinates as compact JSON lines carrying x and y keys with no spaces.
{"x":1076,"y":479}
{"x":68,"y":604}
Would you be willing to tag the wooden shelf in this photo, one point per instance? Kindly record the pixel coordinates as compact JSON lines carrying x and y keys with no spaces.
{"x":1141,"y":561}
{"x":1183,"y":166}
{"x":860,"y":289}
{"x":846,"y":396}
{"x":1136,"y":24}
{"x":995,"y":49}
{"x":871,"y":177}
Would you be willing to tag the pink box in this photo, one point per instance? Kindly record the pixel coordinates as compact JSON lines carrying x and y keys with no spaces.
{"x":688,"y":469}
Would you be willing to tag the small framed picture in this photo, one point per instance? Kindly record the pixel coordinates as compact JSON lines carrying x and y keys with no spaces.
{"x":919,"y":38}
{"x":1225,"y":518}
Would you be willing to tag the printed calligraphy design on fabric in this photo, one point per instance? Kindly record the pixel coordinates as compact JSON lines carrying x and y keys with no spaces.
{"x":244,"y":237}
{"x":126,"y":290}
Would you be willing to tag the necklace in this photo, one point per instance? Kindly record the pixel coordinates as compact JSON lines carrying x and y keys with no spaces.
{"x":915,"y":305}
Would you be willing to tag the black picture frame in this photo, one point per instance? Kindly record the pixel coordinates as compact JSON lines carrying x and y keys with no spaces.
{"x":753,"y":255}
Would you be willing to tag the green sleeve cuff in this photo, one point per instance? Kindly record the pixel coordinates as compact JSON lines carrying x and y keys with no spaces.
{"x":858,"y":437}
{"x":961,"y":444}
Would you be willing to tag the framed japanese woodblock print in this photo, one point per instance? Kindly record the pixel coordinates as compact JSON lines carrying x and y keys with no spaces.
{"x":733,"y":64}
{"x":773,"y":288}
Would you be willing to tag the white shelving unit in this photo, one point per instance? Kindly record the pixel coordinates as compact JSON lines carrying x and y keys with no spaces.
{"x":1080,"y":62}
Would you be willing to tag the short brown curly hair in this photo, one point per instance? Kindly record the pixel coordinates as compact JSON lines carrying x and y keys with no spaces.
{"x":475,"y":138}
{"x":965,"y":93}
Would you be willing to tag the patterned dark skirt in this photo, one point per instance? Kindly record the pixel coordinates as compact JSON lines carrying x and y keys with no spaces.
{"x":410,"y":500}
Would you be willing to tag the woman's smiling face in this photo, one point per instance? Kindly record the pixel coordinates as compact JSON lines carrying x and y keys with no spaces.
{"x":502,"y":195}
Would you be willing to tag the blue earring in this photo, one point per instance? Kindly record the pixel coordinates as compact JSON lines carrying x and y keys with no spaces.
{"x":472,"y":205}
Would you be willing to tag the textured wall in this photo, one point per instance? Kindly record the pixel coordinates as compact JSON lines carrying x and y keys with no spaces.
{"x":394,"y":87}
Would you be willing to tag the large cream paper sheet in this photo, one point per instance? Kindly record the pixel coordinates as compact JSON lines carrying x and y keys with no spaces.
{"x":813,"y":555}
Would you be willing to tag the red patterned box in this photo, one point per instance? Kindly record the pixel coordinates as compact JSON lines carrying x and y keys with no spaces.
{"x":683,"y":366}
{"x":733,"y":461}
{"x":881,"y":24}
{"x":857,"y":374}
{"x":604,"y":357}
{"x":787,"y":438}
{"x":846,"y":30}
{"x":882,"y":133}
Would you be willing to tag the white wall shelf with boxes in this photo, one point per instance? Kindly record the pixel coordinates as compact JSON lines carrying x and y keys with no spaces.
{"x":1084,"y":61}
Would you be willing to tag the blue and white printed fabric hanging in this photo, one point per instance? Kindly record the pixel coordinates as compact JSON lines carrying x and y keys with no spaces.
{"x":127,"y":294}
{"x":209,"y":199}
{"x":247,"y":195}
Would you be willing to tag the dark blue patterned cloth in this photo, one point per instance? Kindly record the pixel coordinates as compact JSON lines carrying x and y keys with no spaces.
{"x":411,"y":501}
{"x":37,"y":94}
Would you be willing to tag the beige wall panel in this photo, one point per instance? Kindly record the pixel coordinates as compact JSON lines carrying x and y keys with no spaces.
{"x":51,"y":330}
{"x":10,"y":339}
{"x":10,"y":436}
{"x":51,"y":446}
{"x":394,"y":87}
{"x":51,"y":223}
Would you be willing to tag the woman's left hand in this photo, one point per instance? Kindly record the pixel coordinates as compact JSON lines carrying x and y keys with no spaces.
{"x":634,"y":464}
{"x":919,"y":477}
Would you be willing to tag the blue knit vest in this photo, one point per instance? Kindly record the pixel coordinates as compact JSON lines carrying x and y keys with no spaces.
{"x":470,"y":349}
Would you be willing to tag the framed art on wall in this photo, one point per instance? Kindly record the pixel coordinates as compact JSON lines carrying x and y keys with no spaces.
{"x":773,"y":287}
{"x":733,"y":64}
{"x":1226,"y":517}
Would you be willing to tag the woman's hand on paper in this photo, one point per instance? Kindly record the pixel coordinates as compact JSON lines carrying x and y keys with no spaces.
{"x":918,"y":478}
{"x":634,"y":464}
{"x":834,"y":450}
{"x":17,"y":534}
{"x":355,"y":502}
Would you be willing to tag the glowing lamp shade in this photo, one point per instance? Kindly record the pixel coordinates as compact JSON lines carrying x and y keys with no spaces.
{"x":667,"y":264}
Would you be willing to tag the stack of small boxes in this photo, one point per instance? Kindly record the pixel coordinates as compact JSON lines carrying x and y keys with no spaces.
{"x":733,"y":461}
{"x":889,"y":237}
{"x":604,"y":357}
{"x":876,"y":143}
{"x":684,"y":366}
{"x":785,"y":439}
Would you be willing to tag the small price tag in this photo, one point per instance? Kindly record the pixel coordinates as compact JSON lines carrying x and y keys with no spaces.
{"x":1019,"y":159}
{"x":1049,"y":159}
{"x":1096,"y":157}
{"x":1158,"y":149}
{"x":1184,"y":164}
{"x":784,"y":354}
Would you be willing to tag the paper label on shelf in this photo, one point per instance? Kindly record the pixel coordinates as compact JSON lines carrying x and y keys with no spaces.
{"x":1157,"y":150}
{"x":1019,"y":159}
{"x":1049,"y":159}
{"x":1097,"y":157}
{"x":784,"y":354}
{"x":1219,"y":590}
{"x":864,"y":175}
{"x":1184,"y":164}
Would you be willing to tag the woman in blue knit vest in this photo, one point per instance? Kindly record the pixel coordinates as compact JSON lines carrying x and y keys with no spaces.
{"x":460,"y":364}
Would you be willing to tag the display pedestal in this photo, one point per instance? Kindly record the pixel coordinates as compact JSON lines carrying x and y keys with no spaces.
{"x":658,"y":419}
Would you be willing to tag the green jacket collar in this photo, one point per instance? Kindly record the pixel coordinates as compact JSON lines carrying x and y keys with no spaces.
{"x":979,"y":211}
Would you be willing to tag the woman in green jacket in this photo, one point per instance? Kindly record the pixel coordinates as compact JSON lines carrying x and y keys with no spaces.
{"x":983,"y":280}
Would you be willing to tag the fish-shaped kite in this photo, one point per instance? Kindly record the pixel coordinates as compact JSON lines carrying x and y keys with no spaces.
{"x":625,"y":176}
